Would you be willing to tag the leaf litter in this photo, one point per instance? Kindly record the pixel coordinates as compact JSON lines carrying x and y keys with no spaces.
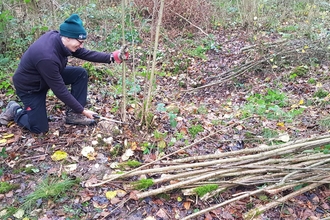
{"x":92,"y":153}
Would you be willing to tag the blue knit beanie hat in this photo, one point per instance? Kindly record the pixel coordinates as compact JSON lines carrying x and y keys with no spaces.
{"x":73,"y":28}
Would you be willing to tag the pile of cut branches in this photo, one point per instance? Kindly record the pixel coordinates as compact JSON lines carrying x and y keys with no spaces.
{"x":276,"y":168}
{"x":266,"y":56}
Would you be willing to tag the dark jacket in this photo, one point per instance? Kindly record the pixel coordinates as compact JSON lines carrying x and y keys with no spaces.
{"x":42,"y":63}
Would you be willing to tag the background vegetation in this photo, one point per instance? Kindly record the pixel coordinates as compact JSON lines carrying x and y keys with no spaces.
{"x":23,"y":21}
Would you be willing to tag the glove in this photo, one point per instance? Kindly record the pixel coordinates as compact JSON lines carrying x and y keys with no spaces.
{"x":120,"y":55}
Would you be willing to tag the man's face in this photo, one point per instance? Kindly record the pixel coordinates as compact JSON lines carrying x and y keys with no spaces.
{"x":75,"y":44}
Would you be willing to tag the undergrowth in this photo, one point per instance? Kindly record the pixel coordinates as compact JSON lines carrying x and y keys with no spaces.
{"x":49,"y":188}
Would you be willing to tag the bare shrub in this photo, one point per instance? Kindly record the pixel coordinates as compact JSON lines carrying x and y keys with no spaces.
{"x":180,"y":14}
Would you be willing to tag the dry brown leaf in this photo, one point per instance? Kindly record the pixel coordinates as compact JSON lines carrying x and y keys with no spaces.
{"x":162,"y":214}
{"x":115,"y":200}
{"x":134,"y":146}
{"x":186,"y":205}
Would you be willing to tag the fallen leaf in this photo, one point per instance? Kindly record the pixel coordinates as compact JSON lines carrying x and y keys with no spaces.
{"x":133,"y":195}
{"x":161,"y":144}
{"x":19,"y":214}
{"x":110,"y":194}
{"x":59,"y":155}
{"x":208,"y":216}
{"x":74,"y":158}
{"x":184,"y":130}
{"x":133,"y":145}
{"x":121,"y":193}
{"x":150,"y":218}
{"x":115,"y":200}
{"x":294,"y":106}
{"x":284,"y":137}
{"x":128,"y":153}
{"x":91,"y":181}
{"x":325,"y":206}
{"x":88,"y":152}
{"x":104,"y":213}
{"x":30,"y":141}
{"x":108,"y":140}
{"x":11,"y":163}
{"x":177,"y":214}
{"x":86,"y":195}
{"x":239,"y":127}
{"x":8,"y":136}
{"x":114,"y":165}
{"x":3,"y":212}
{"x":9,"y":194}
{"x":70,"y":167}
{"x":186,"y":205}
{"x":162,"y":214}
{"x":158,"y":202}
{"x":99,"y":206}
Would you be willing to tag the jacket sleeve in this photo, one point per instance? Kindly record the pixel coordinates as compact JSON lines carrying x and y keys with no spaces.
{"x":49,"y":72}
{"x":93,"y":56}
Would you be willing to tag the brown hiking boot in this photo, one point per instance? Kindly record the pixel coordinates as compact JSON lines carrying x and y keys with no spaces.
{"x":9,"y":114}
{"x":78,"y":119}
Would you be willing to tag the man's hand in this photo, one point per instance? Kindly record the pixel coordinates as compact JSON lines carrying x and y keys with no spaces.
{"x":121,"y":54}
{"x":89,"y":113}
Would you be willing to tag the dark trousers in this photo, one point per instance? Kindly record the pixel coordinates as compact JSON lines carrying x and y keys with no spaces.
{"x":34,"y":115}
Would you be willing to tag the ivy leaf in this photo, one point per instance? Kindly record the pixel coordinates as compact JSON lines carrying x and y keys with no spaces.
{"x":161,"y":107}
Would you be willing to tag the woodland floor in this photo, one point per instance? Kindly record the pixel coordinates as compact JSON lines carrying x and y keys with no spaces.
{"x":220,"y":103}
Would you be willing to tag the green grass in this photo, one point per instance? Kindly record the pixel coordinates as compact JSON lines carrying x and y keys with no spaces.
{"x":325,"y":122}
{"x":6,"y":187}
{"x":49,"y":188}
{"x":269,"y":133}
{"x":195,"y":129}
{"x":320,"y":93}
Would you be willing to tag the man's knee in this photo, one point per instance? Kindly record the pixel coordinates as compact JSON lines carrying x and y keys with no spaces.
{"x":83,"y":72}
{"x":34,"y":124}
{"x":38,"y":130}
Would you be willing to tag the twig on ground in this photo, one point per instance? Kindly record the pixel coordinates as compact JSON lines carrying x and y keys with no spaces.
{"x":226,"y":202}
{"x":259,"y":210}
